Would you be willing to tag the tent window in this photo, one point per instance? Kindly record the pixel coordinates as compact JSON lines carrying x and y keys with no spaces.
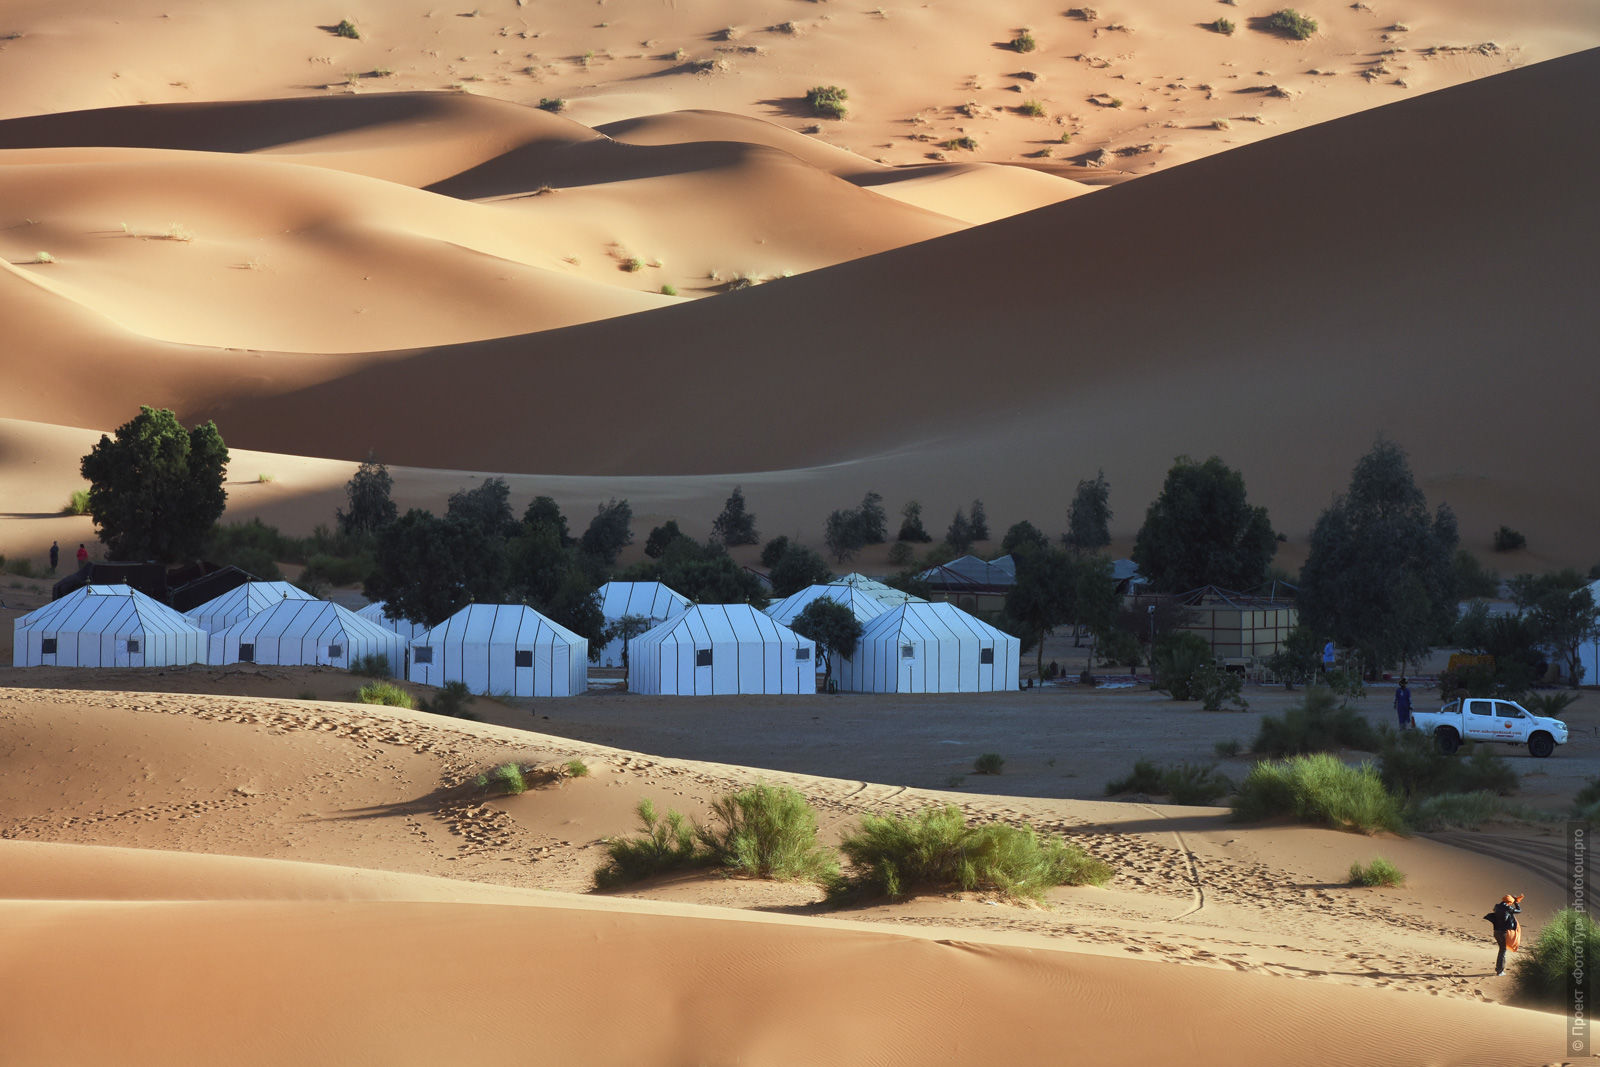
{"x":702,"y":657}
{"x":247,"y":653}
{"x":802,"y":653}
{"x":985,"y":655}
{"x":133,"y":646}
{"x":47,"y":646}
{"x":908,"y":651}
{"x":422,"y":654}
{"x":524,"y":657}
{"x":335,"y":651}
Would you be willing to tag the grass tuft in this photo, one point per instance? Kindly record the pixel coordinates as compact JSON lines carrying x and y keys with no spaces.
{"x":346,"y":28}
{"x":1318,"y":789}
{"x":386,"y":693}
{"x":1379,"y":872}
{"x":665,"y":845}
{"x":1024,"y":42}
{"x":78,"y":502}
{"x":988,"y":763}
{"x":827,"y":101}
{"x":553,"y":104}
{"x":373,"y":666}
{"x":1315,"y":725}
{"x":1568,"y":948}
{"x":968,"y":143}
{"x":575,"y":768}
{"x":1032,"y":108}
{"x":768,"y":831}
{"x":1290,"y":22}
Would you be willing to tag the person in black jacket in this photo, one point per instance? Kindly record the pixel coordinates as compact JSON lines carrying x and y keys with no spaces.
{"x":1504,"y":918}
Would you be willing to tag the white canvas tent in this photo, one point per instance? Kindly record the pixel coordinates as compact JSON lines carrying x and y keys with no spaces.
{"x":888,"y":594}
{"x":241,"y":602}
{"x":502,"y":648}
{"x":930,"y":648}
{"x":374,"y":613}
{"x":715,"y":649}
{"x":861,"y":604}
{"x":652,"y":600}
{"x":306,"y":633}
{"x":105,"y":626}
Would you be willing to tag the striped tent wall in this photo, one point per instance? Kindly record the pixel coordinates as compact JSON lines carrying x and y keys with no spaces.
{"x":376,"y":613}
{"x":718,"y":649}
{"x":862,"y":604}
{"x":105,"y":626}
{"x":652,"y":600}
{"x":502,"y":648}
{"x":241,"y":602}
{"x":931,"y":648}
{"x":306,"y":633}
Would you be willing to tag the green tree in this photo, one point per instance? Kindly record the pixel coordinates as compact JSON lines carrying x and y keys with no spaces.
{"x":704,"y":573}
{"x":773,"y":551}
{"x":874,"y":522}
{"x":834,"y":628}
{"x":959,"y":535}
{"x":155,"y":491}
{"x":1380,"y":576}
{"x":1023,"y":534}
{"x":661,"y":537}
{"x":625,"y":630}
{"x":735,"y":526}
{"x":1202,"y":530}
{"x":842,"y":534}
{"x":1562,"y":612}
{"x":545,"y":512}
{"x":911,"y":524}
{"x":978,"y":521}
{"x":488,"y":508}
{"x":1041,"y":598}
{"x":608,"y":534}
{"x":371,"y":507}
{"x":796,"y":569}
{"x":1089,"y":517}
{"x":422,"y":566}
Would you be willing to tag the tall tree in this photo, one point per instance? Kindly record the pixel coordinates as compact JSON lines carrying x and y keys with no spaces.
{"x":842,"y":534}
{"x":1041,"y":598}
{"x":424,"y":566}
{"x":1562,"y":612}
{"x":796,"y":569}
{"x":704,"y":573}
{"x":155,"y":491}
{"x":488,"y":508}
{"x":371,"y":507}
{"x":978,"y":519}
{"x":609,"y":533}
{"x":834,"y":628}
{"x":911,"y":524}
{"x":1089,"y":517}
{"x":735,"y":526}
{"x":661,"y":537}
{"x":625,"y":630}
{"x":1202,"y":530}
{"x":1380,"y":576}
{"x":959,"y":535}
{"x":545,"y":512}
{"x":874,"y":522}
{"x":1023,"y":534}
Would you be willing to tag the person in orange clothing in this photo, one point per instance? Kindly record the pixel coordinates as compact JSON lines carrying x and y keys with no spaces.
{"x":1506,"y":930}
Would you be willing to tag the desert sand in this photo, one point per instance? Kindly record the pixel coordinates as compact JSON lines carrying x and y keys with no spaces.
{"x":607,"y":251}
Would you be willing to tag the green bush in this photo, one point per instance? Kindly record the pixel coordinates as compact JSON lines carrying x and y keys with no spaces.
{"x":346,"y":28}
{"x":1379,"y":872}
{"x":1224,"y":27}
{"x":576,"y":768}
{"x":1145,"y":778}
{"x":1567,"y":947}
{"x":1226,"y":749}
{"x":1177,"y":657}
{"x":666,"y":845}
{"x":22,"y":568}
{"x":1508,"y":540}
{"x":1024,"y":42}
{"x":827,"y":100}
{"x":77,"y":503}
{"x":1315,"y":725}
{"x":1214,"y":686}
{"x":386,"y":693}
{"x":552,"y":104}
{"x":373,"y":666}
{"x":506,"y":779}
{"x":1462,"y":811}
{"x":669,"y":290}
{"x":338,"y":571}
{"x":768,"y":832}
{"x":1185,"y":783}
{"x":988,"y":763}
{"x":1549,"y":705}
{"x":452,"y":701}
{"x":1412,"y":766}
{"x":969,"y":144}
{"x":1031,"y":108}
{"x":936,"y":849}
{"x":1291,"y":22}
{"x":1318,"y":789}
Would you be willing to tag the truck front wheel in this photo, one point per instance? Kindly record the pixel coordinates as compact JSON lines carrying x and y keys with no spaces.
{"x":1541,"y":744}
{"x":1447,"y":740}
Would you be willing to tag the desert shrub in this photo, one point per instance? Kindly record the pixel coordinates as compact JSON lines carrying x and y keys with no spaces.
{"x":666,"y":845}
{"x":827,"y":100}
{"x":1379,"y":872}
{"x":552,"y":104}
{"x":669,"y":290}
{"x":1412,"y":766}
{"x":1213,"y":687}
{"x":452,"y":700}
{"x":22,"y":568}
{"x":769,"y":832}
{"x":1485,"y":769}
{"x":633,"y":264}
{"x":1588,"y":796}
{"x":1291,"y":22}
{"x":77,"y":503}
{"x":1315,"y":725}
{"x":1224,"y":27}
{"x":1144,"y":778}
{"x":346,"y":28}
{"x":969,"y":144}
{"x":1549,"y":705}
{"x":1192,"y":783}
{"x":386,"y":693}
{"x":1176,"y":658}
{"x":901,"y":554}
{"x":506,"y":779}
{"x":373,"y":666}
{"x":1024,"y":42}
{"x":988,"y":763}
{"x":1226,"y":749}
{"x":1032,"y":108}
{"x":1508,"y":540}
{"x":325,"y":570}
{"x":936,"y":849}
{"x":1461,"y":811}
{"x":575,"y":768}
{"x":1561,"y":961}
{"x":1318,"y":789}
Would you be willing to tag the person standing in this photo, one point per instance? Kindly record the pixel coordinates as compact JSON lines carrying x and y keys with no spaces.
{"x":55,"y":555}
{"x":1328,"y":652}
{"x":1402,"y":704}
{"x":83,"y":556}
{"x":1506,"y":932}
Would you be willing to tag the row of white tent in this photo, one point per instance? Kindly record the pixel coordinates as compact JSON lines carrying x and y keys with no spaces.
{"x":907,"y":645}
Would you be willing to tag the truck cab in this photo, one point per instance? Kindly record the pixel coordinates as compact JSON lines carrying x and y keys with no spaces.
{"x":1491,"y":719}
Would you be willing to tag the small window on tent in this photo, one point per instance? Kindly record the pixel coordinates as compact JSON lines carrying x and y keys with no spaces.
{"x":422,"y":654}
{"x":802,"y":653}
{"x":47,"y":646}
{"x":524,"y":657}
{"x":908,"y":651}
{"x":247,"y":653}
{"x":335,"y":651}
{"x":702,"y":657}
{"x":133,"y":646}
{"x":986,"y":655}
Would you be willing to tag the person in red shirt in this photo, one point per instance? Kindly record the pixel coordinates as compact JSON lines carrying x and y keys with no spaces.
{"x":83,"y":556}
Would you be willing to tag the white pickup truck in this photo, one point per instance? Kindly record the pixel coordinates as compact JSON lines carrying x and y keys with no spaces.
{"x":1483,"y":719}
